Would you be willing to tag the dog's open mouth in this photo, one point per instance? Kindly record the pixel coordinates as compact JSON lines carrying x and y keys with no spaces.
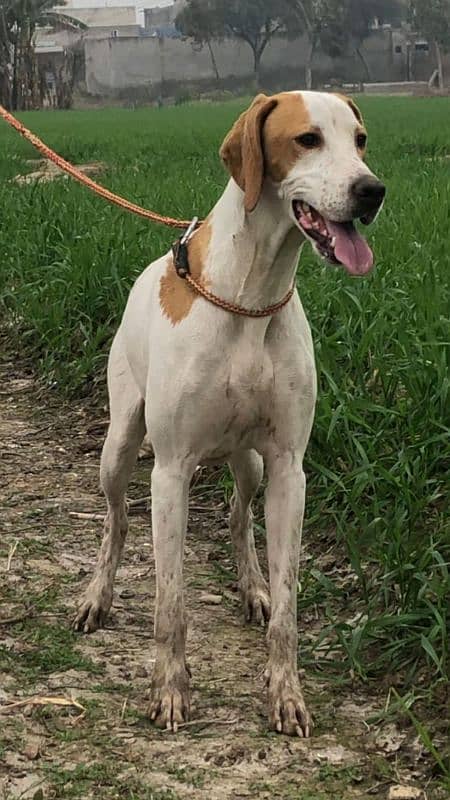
{"x":337,"y":242}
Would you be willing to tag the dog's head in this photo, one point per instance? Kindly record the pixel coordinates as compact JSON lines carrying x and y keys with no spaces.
{"x":310,"y":146}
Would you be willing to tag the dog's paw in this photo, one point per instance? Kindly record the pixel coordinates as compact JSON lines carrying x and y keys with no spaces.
{"x":287,"y":710}
{"x":256,"y":601}
{"x":92,"y":612}
{"x":170,"y":704}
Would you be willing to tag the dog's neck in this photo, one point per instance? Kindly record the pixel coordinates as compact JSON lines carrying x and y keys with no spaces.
{"x":253,"y":257}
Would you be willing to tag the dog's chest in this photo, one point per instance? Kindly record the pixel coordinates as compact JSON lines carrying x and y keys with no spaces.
{"x":242,"y":401}
{"x":248,"y":381}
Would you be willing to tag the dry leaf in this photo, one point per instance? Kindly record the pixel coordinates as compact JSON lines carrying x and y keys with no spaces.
{"x":211,"y":599}
{"x":335,"y":755}
{"x":406,"y":793}
{"x":39,"y":700}
{"x":390,"y":739}
{"x":33,"y":749}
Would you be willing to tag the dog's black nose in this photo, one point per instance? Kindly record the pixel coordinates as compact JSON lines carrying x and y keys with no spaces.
{"x":369,"y":193}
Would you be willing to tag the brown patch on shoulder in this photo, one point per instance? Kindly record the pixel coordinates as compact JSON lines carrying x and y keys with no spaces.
{"x":289,"y":119}
{"x":351,"y":103}
{"x":176,"y":297}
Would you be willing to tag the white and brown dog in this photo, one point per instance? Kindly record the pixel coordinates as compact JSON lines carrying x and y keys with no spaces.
{"x":210,"y":386}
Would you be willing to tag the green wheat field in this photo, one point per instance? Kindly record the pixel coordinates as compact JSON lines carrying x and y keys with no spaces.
{"x":378,"y":464}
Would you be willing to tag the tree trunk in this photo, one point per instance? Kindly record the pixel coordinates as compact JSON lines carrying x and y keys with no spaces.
{"x":162,"y":67}
{"x":30,"y":77}
{"x":308,"y":67}
{"x":364,"y":63}
{"x":5,"y":62}
{"x":213,"y":61}
{"x":15,"y":77}
{"x":440,"y":65}
{"x":5,"y":77}
{"x":65,"y":81}
{"x":257,"y":69}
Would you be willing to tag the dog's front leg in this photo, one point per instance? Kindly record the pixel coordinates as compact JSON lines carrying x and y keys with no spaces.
{"x":169,"y":705}
{"x":284,"y":507}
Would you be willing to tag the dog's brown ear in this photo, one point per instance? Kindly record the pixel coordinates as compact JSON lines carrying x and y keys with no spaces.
{"x":242,"y":151}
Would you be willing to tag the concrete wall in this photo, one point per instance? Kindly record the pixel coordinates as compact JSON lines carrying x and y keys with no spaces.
{"x":114,"y":65}
{"x":117,"y":64}
{"x":111,"y":17}
{"x":46,"y":39}
{"x":120,"y":31}
{"x":158,"y":16}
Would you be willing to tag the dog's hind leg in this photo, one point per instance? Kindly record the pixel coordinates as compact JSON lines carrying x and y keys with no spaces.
{"x":247,"y":469}
{"x":125,"y":434}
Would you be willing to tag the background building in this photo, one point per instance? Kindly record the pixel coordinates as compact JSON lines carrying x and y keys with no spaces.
{"x":134,"y":52}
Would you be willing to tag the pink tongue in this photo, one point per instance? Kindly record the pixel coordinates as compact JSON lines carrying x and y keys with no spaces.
{"x":351,"y":248}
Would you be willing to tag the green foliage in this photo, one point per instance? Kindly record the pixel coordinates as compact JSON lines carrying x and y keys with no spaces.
{"x":442,"y":762}
{"x":199,"y":21}
{"x":86,"y":779}
{"x":254,"y":22}
{"x":19,"y":81}
{"x":343,"y":25}
{"x":432,"y":19}
{"x":46,"y":649}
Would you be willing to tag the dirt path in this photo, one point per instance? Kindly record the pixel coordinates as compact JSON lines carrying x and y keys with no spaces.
{"x":108,"y":749}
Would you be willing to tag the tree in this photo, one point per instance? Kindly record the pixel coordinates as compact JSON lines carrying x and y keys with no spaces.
{"x":347,"y":23}
{"x":432,"y":19}
{"x":254,"y":22}
{"x":19,"y":19}
{"x":360,"y":16}
{"x":198,"y":20}
{"x":308,"y":14}
{"x":340,"y":26}
{"x":5,"y":60}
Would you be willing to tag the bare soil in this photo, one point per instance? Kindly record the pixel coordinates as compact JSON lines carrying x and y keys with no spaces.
{"x":108,"y":748}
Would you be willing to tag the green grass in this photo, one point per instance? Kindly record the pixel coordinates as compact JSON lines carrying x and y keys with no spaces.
{"x":77,"y":783}
{"x":44,"y":649}
{"x":378,"y":464}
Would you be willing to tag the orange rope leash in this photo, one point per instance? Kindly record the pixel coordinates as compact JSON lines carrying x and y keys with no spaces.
{"x":75,"y":173}
{"x":84,"y":179}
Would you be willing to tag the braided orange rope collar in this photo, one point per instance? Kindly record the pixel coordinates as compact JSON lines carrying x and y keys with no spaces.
{"x":269,"y":311}
{"x":79,"y":176}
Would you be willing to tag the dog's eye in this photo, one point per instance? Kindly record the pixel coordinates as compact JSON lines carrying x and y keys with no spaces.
{"x":361,"y":141}
{"x":309,"y":140}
